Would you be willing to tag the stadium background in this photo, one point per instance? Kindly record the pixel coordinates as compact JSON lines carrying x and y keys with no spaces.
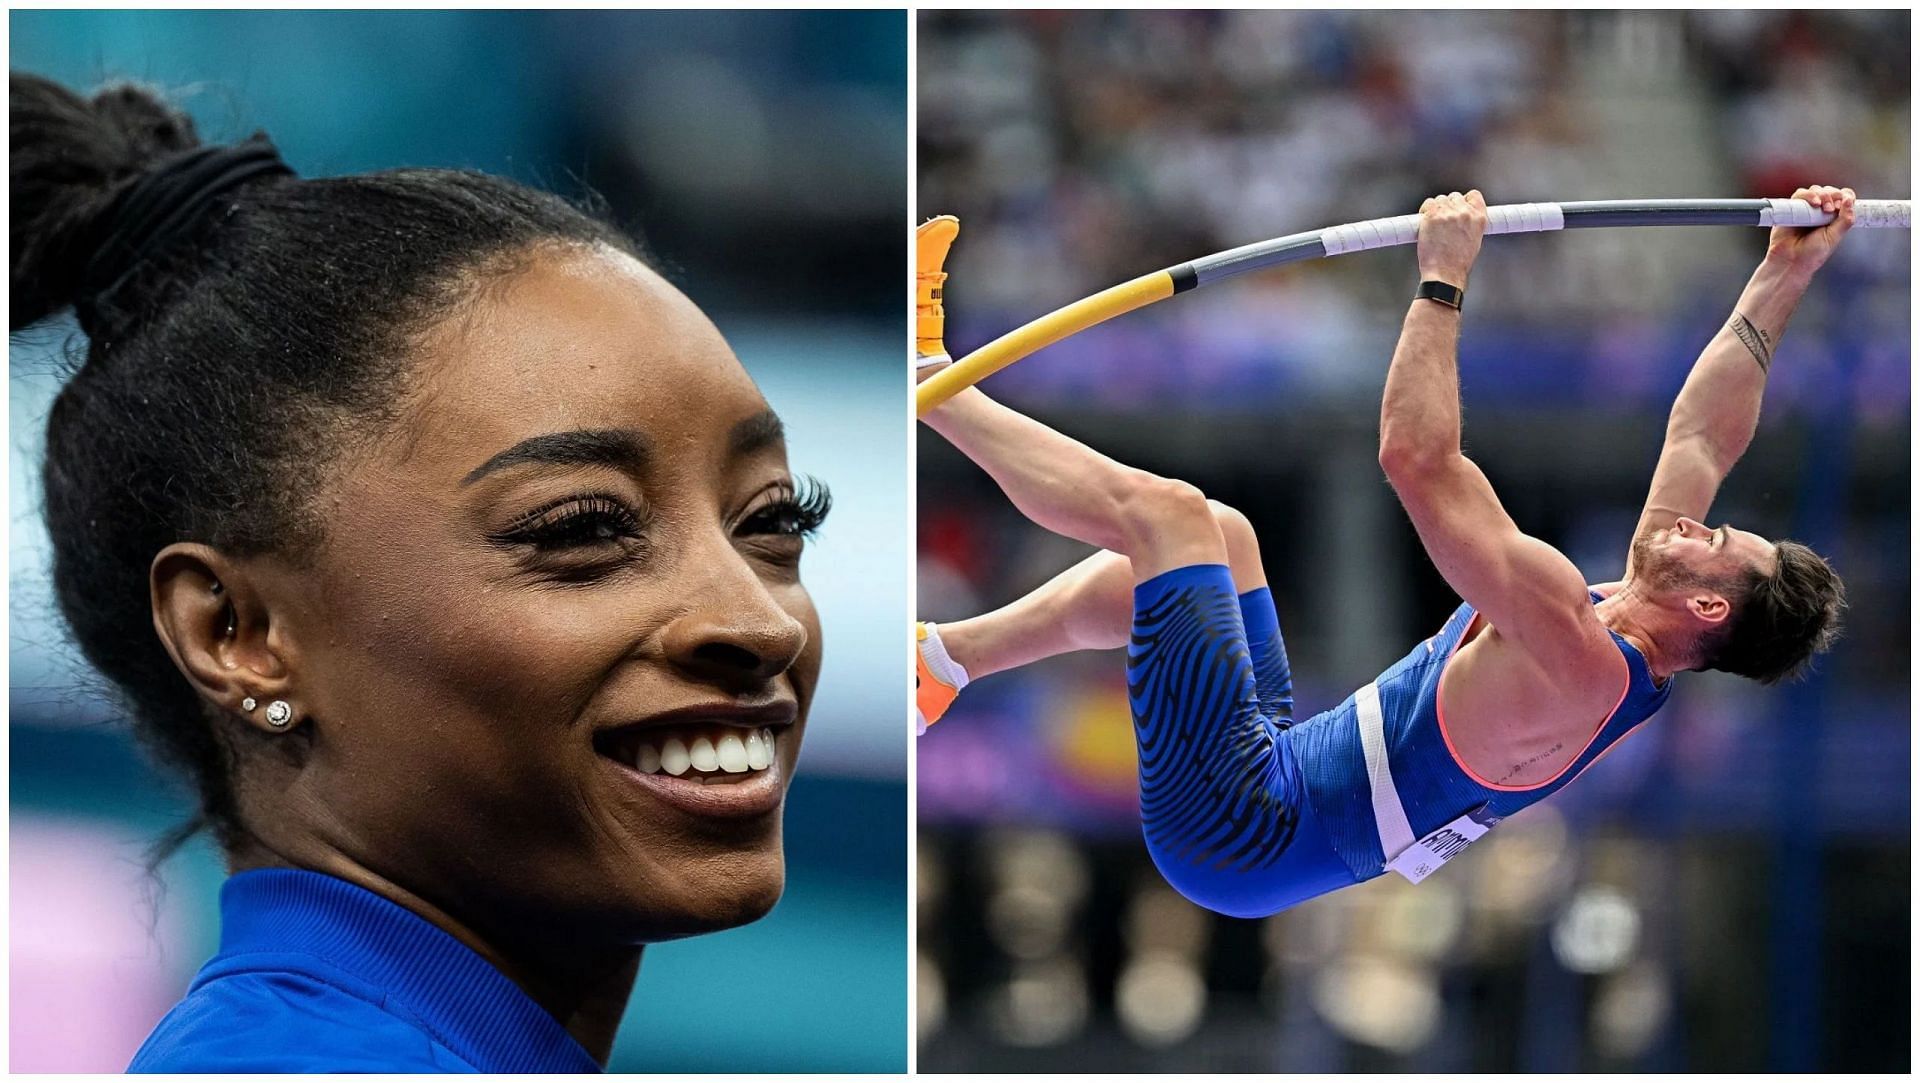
{"x":763,"y":157}
{"x":1728,"y":890}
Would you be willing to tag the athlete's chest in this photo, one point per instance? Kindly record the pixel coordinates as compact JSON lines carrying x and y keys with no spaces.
{"x":1507,"y":723}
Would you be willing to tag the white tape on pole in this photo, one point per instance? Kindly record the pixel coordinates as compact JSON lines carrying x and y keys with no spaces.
{"x":1405,"y":228}
{"x":1867,"y":213}
{"x":1792,"y":212}
{"x":1525,"y":218}
{"x":1377,"y":233}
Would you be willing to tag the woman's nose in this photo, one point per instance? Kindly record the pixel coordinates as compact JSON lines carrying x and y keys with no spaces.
{"x":734,"y":629}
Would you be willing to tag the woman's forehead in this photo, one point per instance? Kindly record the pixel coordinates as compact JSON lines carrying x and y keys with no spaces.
{"x":578,"y":341}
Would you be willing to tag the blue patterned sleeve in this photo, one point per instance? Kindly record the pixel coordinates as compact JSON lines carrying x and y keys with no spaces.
{"x":1218,"y":804}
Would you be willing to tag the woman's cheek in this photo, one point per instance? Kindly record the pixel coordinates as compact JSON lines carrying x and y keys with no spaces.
{"x":524,"y":649}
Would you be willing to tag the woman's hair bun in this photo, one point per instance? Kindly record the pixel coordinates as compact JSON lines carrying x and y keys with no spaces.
{"x":68,"y":156}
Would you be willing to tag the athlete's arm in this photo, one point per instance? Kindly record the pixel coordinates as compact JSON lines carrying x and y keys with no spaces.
{"x":1714,"y":418}
{"x":1529,"y":591}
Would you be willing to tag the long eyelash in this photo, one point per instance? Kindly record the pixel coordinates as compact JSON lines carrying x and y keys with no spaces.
{"x":813,"y":500}
{"x":542,"y":526}
{"x":806,"y":503}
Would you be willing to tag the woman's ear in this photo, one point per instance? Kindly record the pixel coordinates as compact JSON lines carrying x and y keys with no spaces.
{"x":216,"y":624}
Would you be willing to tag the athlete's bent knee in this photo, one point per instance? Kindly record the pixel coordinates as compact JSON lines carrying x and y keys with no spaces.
{"x":1165,"y":524}
{"x":1151,"y":505}
{"x":1243,"y":546}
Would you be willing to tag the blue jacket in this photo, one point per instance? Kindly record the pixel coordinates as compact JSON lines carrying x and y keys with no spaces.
{"x":315,"y":974}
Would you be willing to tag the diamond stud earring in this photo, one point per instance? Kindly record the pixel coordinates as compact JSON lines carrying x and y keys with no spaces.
{"x":249,"y":703}
{"x":279,"y":714}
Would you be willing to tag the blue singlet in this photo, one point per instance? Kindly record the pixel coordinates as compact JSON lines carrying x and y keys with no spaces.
{"x":1246,"y":812}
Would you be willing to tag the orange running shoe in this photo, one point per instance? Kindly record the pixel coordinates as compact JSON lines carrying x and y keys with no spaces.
{"x":937,"y":679}
{"x":932,"y":241}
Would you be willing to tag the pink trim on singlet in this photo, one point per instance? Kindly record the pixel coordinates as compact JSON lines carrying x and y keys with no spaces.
{"x":1440,"y":714}
{"x":1608,"y":751}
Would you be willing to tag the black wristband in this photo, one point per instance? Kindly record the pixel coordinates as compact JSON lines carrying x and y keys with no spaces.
{"x":1435,"y":290}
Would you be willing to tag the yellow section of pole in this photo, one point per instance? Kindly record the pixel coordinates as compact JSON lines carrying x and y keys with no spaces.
{"x":1038,"y":335}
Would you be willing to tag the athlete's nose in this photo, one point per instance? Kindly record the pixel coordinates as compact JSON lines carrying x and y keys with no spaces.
{"x":1688,"y":528}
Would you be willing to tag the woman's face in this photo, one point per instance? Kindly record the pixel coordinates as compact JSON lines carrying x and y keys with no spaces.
{"x":572,"y":568}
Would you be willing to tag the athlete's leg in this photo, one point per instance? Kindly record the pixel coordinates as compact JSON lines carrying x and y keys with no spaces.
{"x":1058,"y":483}
{"x":1067,"y":487}
{"x":1221,"y":799}
{"x":1090,"y":607}
{"x":1273,"y":679}
{"x":1220,"y":802}
{"x":1086,"y":607}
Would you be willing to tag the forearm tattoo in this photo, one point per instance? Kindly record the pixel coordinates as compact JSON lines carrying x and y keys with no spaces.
{"x":1754,"y":339}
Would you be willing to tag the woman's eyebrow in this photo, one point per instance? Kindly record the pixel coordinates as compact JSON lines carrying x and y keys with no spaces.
{"x":756,"y":433}
{"x":625,"y":448}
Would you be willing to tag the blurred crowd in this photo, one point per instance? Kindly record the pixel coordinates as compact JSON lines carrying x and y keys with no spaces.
{"x":1083,"y":149}
{"x":1809,"y":91}
{"x":1729,"y":889}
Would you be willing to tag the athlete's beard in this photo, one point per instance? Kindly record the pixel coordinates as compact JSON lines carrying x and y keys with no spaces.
{"x":1659,"y":573}
{"x":1659,"y":570}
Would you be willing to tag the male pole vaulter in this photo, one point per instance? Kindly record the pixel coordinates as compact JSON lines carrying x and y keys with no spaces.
{"x":1535,"y":676}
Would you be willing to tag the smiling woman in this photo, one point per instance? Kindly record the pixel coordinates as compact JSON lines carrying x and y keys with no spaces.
{"x":473,"y":554}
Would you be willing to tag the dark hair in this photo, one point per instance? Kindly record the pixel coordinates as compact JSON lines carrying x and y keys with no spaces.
{"x":224,"y":365}
{"x":1781,"y":621}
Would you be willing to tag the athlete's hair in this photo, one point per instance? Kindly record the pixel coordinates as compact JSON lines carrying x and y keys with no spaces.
{"x":1780,"y":621}
{"x":227,"y":368}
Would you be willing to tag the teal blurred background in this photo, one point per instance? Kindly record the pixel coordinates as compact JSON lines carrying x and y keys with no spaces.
{"x":761,"y":156}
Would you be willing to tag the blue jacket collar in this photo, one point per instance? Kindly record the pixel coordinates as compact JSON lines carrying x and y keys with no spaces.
{"x":470,"y":1007}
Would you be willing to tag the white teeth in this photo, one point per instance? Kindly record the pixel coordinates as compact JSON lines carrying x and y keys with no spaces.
{"x":732,"y":753}
{"x":649,"y":760}
{"x":723,"y":751}
{"x":673,"y":757}
{"x":759,"y":751}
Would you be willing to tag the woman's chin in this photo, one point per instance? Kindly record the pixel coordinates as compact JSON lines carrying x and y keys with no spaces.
{"x":746,"y":904}
{"x":714,"y":895}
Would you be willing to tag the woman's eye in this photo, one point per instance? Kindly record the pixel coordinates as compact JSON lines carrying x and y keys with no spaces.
{"x":795,"y":511}
{"x":575,"y":523}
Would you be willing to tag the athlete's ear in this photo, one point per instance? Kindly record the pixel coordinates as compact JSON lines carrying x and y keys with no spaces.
{"x":214,"y":620}
{"x":1708,"y":607}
